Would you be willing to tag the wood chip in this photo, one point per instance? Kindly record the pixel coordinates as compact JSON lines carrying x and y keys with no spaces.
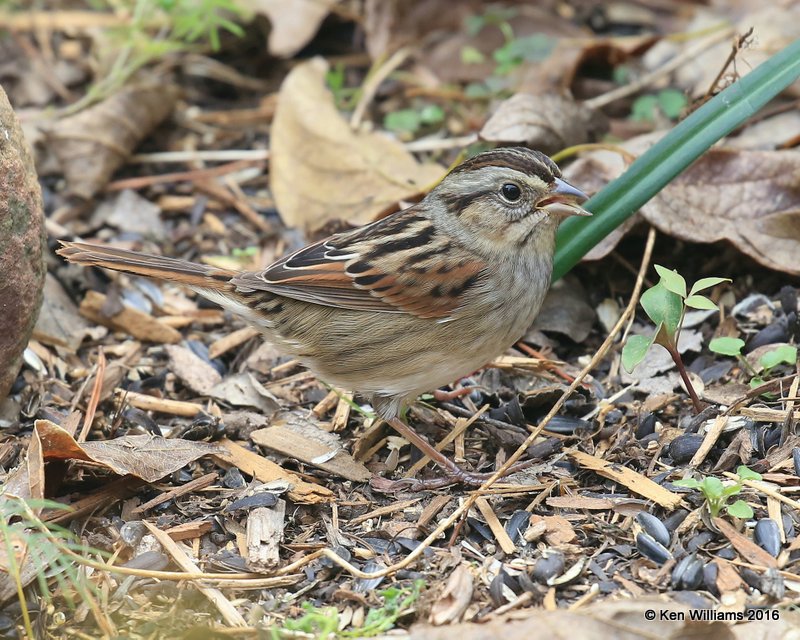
{"x":635,"y":482}
{"x":138,"y":324}
{"x":762,"y":414}
{"x":260,"y":468}
{"x":231,"y":341}
{"x":299,"y":442}
{"x":499,"y":532}
{"x":264,"y":536}
{"x":745,"y":547}
{"x":710,"y":440}
{"x":160,"y":405}
{"x":580,"y":502}
{"x":190,"y":530}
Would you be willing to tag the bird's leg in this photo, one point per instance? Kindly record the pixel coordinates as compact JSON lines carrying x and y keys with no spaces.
{"x":453,"y":471}
{"x":449,"y":396}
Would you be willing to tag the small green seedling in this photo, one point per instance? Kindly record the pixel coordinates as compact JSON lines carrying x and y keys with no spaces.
{"x":409,"y":121}
{"x":785,"y":354}
{"x":716,"y":493}
{"x":665,"y":304}
{"x":515,"y":50}
{"x":323,"y":622}
{"x":668,"y":102}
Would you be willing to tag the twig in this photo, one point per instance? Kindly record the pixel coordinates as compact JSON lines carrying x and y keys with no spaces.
{"x":668,"y":67}
{"x":95,"y":397}
{"x":370,"y":87}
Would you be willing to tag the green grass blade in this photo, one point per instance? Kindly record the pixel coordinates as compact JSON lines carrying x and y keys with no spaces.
{"x":655,"y":168}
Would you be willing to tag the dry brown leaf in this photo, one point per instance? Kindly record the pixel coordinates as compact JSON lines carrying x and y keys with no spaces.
{"x":147,"y":457}
{"x":566,"y":311}
{"x":622,"y":620}
{"x":299,"y":436}
{"x":294,"y":22}
{"x":22,"y":238}
{"x":322,"y":170}
{"x":457,"y":594}
{"x":59,"y":322}
{"x":546,"y":122}
{"x":194,"y":372}
{"x":774,"y":27}
{"x":94,"y":143}
{"x":749,"y":198}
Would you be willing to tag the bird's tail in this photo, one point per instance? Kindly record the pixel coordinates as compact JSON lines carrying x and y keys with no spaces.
{"x":190,"y":274}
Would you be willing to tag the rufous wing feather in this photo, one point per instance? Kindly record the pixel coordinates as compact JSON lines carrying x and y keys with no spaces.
{"x":396,"y":265}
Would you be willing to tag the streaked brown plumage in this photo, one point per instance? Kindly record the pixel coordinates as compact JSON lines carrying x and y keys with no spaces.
{"x":410,"y":302}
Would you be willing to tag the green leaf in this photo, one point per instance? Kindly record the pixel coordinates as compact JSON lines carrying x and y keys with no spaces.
{"x":689,"y":483}
{"x":745,"y":473}
{"x":634,"y":351}
{"x":672,"y":280}
{"x":712,"y":486}
{"x":671,"y":102}
{"x":431,"y":114}
{"x":663,"y":307}
{"x":402,"y":121}
{"x":644,"y":109}
{"x":731,"y":490}
{"x":786,"y":354}
{"x":471,"y":55}
{"x":726,"y":346}
{"x":700,"y":302}
{"x":740,"y":509}
{"x":707,"y":283}
{"x":756,"y":381}
{"x":672,"y":154}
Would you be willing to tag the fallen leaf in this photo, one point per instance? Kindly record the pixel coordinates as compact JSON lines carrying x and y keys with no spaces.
{"x":322,"y":170}
{"x":59,"y":323}
{"x":774,"y":27}
{"x":243,"y":390}
{"x":130,"y":212}
{"x":546,"y":122}
{"x":566,"y":311}
{"x":451,"y":605}
{"x":623,"y":620}
{"x":294,"y":23}
{"x":94,"y":143}
{"x":298,"y":436}
{"x":749,"y":198}
{"x":193,"y":371}
{"x":147,"y":457}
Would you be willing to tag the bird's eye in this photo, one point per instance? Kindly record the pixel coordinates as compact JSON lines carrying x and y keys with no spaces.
{"x":511,"y":192}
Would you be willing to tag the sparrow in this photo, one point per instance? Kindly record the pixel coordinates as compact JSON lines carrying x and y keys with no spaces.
{"x":408,"y":303}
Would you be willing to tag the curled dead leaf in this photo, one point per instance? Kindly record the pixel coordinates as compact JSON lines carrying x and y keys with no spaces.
{"x":321,"y":170}
{"x":455,"y":598}
{"x":545,"y":122}
{"x":94,"y":143}
{"x":748,"y":198}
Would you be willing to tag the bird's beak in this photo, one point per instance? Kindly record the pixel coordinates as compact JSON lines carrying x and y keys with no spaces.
{"x":564,"y":200}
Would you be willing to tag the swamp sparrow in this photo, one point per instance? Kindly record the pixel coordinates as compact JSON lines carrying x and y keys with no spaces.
{"x":408,"y":303}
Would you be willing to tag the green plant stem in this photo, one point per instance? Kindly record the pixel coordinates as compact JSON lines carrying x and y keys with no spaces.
{"x":676,"y":357}
{"x":655,"y":168}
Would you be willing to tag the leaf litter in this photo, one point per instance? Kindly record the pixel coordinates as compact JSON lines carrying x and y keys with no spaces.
{"x":214,"y":461}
